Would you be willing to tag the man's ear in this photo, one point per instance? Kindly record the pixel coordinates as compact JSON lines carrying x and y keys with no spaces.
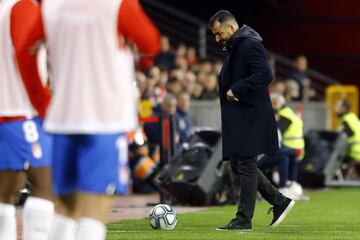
{"x":233,"y":28}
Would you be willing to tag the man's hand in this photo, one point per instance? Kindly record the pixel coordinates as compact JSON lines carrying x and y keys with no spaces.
{"x":230,"y":96}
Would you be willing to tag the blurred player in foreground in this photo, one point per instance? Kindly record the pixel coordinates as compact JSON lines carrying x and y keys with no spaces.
{"x":23,"y":143}
{"x":93,"y":104}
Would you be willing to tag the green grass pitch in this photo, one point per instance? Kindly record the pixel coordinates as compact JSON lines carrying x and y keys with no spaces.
{"x":332,"y":214}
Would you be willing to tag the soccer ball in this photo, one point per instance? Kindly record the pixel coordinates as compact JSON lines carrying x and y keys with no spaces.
{"x":162,"y":216}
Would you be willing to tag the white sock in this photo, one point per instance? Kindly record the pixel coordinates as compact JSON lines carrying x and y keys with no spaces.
{"x":7,"y":222}
{"x":63,"y":228}
{"x":90,"y":229}
{"x":38,"y":214}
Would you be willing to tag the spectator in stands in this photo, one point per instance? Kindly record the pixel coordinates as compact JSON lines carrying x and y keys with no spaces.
{"x":277,"y":86}
{"x":210,"y":88}
{"x":177,"y":73}
{"x":145,"y":98}
{"x":181,"y":63}
{"x":217,"y":67}
{"x":141,"y":83}
{"x":206,"y":67}
{"x":166,"y":58}
{"x":182,"y":116}
{"x":195,"y":68}
{"x":300,"y":75}
{"x":165,"y":108}
{"x":350,"y":124}
{"x":279,"y":161}
{"x":201,"y":76}
{"x":191,"y":56}
{"x":292,"y":91}
{"x":189,"y":82}
{"x":181,"y":50}
{"x":198,"y":91}
{"x":293,"y":144}
{"x":174,"y":86}
{"x":160,"y":88}
{"x":154,"y":74}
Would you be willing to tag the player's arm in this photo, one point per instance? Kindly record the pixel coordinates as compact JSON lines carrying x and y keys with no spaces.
{"x":134,"y":24}
{"x":26,"y":33}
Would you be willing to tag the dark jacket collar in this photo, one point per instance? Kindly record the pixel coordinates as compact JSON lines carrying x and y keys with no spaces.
{"x":243,"y":32}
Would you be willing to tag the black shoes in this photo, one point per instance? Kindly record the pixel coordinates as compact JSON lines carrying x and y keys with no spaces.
{"x":235,"y":224}
{"x":280,"y":211}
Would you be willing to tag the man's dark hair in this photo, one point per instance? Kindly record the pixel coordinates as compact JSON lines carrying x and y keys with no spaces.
{"x":221,"y":17}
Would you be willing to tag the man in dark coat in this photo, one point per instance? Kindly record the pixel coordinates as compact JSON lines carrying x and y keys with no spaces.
{"x":248,"y":120}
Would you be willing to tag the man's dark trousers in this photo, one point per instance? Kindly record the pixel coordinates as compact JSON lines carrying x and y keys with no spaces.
{"x":251,"y":180}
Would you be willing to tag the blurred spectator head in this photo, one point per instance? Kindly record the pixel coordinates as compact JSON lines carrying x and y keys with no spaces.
{"x":189,"y":82}
{"x":277,"y":101}
{"x":181,"y":63}
{"x":183,"y":100}
{"x":342,"y":107}
{"x":198,"y":91}
{"x":181,"y":50}
{"x":277,"y":86}
{"x":301,"y":63}
{"x":165,"y":44}
{"x":206,"y":66}
{"x":292,"y":90}
{"x":201,"y":77}
{"x":141,"y":83}
{"x":217,"y":67}
{"x":164,"y":78}
{"x":169,"y":104}
{"x":166,"y":58}
{"x":223,"y":25}
{"x":210,"y":87}
{"x":154,"y":73}
{"x":177,"y":73}
{"x":191,"y":56}
{"x":160,"y":88}
{"x":211,"y":83}
{"x":194,"y":67}
{"x":174,"y":86}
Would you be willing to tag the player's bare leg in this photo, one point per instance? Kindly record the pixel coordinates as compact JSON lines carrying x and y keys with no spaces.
{"x":94,"y":206}
{"x":9,"y":184}
{"x":38,"y":210}
{"x":94,"y":209}
{"x":83,"y":213}
{"x":40,"y":179}
{"x":65,"y":221}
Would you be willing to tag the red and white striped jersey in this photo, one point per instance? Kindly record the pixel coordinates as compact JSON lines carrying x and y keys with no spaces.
{"x":21,"y":91}
{"x":93,"y":75}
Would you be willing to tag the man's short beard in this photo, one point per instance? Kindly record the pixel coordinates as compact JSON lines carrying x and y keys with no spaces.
{"x":224,"y":42}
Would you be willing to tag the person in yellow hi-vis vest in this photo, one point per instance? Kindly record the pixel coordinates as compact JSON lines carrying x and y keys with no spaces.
{"x":292,"y":145}
{"x":350,"y":124}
